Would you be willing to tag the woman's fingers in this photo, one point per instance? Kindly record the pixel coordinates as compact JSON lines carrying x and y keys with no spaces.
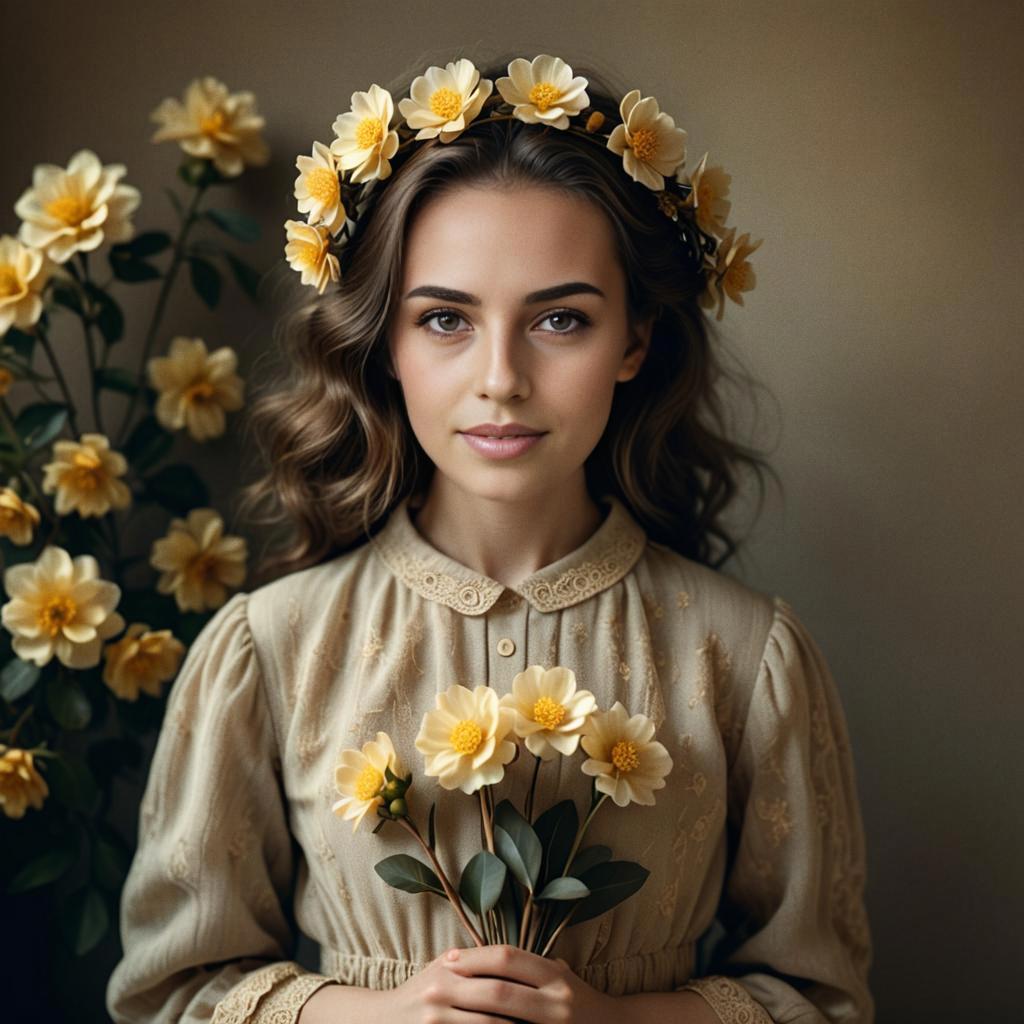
{"x":500,"y":996}
{"x":505,"y":961}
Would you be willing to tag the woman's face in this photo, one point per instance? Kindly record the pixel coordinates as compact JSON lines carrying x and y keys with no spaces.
{"x":512,"y":308}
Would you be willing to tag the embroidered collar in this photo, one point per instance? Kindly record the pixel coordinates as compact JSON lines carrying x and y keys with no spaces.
{"x":601,"y":560}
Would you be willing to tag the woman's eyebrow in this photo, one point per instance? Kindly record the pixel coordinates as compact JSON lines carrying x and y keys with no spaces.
{"x":558,"y":291}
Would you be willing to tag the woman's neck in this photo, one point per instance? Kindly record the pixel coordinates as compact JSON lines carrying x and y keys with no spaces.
{"x":507,"y":541}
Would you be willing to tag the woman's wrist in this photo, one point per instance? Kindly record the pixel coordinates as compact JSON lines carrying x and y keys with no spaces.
{"x":329,"y":1001}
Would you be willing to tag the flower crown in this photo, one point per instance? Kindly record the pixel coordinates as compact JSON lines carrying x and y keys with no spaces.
{"x":335,"y":181}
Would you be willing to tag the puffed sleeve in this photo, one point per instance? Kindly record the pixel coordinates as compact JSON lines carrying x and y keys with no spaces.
{"x":204,"y":928}
{"x":797,"y":944}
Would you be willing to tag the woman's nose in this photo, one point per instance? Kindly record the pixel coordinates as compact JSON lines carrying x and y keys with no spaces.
{"x":502,"y":365}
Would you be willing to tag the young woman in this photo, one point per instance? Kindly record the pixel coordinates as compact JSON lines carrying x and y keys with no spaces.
{"x":501,"y":445}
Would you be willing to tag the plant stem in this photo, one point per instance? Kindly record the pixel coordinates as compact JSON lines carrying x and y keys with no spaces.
{"x":526,"y":919}
{"x":579,"y":835}
{"x":16,"y":728}
{"x":41,"y":335}
{"x":486,"y":816}
{"x":453,"y":897}
{"x":558,"y":931}
{"x":533,"y":786}
{"x":90,"y":352}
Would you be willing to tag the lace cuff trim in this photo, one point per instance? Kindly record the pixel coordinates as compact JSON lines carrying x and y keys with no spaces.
{"x":271,"y":995}
{"x":730,"y":1001}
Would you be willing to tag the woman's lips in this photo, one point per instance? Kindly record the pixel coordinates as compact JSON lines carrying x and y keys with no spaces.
{"x":501,"y":447}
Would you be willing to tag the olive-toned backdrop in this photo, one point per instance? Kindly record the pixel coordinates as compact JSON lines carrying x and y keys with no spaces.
{"x":877,"y":147}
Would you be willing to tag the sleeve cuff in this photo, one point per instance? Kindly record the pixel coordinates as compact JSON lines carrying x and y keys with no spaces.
{"x":730,"y":1001}
{"x":275,"y":993}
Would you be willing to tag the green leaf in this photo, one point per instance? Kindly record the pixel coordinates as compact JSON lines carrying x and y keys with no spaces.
{"x":206,"y":280}
{"x":177,"y":487}
{"x":147,"y":443}
{"x":110,"y":860}
{"x":130,"y":268}
{"x":149,"y":243}
{"x":38,"y":424}
{"x":609,"y":883}
{"x":67,"y":702}
{"x":17,"y":678}
{"x":84,"y":919}
{"x":248,"y":277}
{"x":175,"y":201}
{"x":482,"y":882}
{"x":107,"y":314}
{"x":510,"y":909}
{"x":556,"y":829}
{"x":116,"y":378}
{"x":235,"y":223}
{"x":71,"y":782}
{"x":588,"y":858}
{"x":523,"y":849}
{"x":564,"y":888}
{"x":23,"y":344}
{"x":66,"y":295}
{"x":47,"y":868}
{"x":408,"y":874}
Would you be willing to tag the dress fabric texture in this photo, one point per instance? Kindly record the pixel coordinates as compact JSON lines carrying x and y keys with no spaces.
{"x":758,"y":823}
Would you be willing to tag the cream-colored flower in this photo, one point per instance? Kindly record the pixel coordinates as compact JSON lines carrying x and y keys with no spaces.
{"x":544,"y":91}
{"x":710,"y":186}
{"x":141,"y":660}
{"x":318,"y":189}
{"x":463,"y":739}
{"x":627,"y":763}
{"x":650,"y":144}
{"x":196,"y":387}
{"x":17,"y":518}
{"x":85,"y":475}
{"x":365,"y":141}
{"x":444,"y":101}
{"x":306,"y":250}
{"x":77,"y":209}
{"x":60,"y":606}
{"x":24,"y":273}
{"x":732,"y":274}
{"x":198,"y":561}
{"x":550,"y":711}
{"x":359,"y":777}
{"x":20,"y":782}
{"x":215,"y":125}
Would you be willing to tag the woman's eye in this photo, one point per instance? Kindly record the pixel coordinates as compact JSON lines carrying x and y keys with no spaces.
{"x":447,"y":320}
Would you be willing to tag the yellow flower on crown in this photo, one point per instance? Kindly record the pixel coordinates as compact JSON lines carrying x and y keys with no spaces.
{"x":18,"y":518}
{"x":306,"y":249}
{"x":24,"y":273}
{"x":198,"y":562}
{"x":365,"y":140}
{"x":195,"y":387}
{"x":651,"y":146}
{"x":444,"y":100}
{"x":543,"y":91}
{"x":318,"y":189}
{"x":549,"y":711}
{"x":359,"y":778}
{"x":76,"y":209}
{"x":85,"y":474}
{"x":141,"y":660}
{"x":710,"y":186}
{"x":463,"y":739}
{"x":625,"y":760}
{"x":21,"y":785}
{"x":731,"y":274}
{"x":60,"y":608}
{"x":214,"y":124}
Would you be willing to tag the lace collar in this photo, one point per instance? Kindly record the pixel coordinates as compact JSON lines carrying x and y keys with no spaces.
{"x":603,"y":559}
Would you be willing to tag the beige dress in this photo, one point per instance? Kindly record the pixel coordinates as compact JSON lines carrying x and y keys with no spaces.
{"x":758,"y":822}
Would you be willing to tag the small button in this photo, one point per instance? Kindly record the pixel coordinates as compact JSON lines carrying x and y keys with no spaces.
{"x":506,"y":646}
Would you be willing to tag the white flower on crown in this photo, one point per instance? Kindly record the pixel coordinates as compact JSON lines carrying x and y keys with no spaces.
{"x":650,"y":144}
{"x":543,"y":91}
{"x":443,"y":101}
{"x":318,"y":189}
{"x":365,"y":141}
{"x":710,"y":186}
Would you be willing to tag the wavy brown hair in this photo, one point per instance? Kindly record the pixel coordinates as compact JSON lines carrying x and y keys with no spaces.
{"x":337,"y":447}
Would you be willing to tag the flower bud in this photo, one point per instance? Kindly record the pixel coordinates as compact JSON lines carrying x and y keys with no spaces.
{"x":398,"y":808}
{"x":595,"y":121}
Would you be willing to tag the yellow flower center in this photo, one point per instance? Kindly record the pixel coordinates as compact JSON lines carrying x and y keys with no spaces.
{"x":322,"y":185}
{"x":644,"y":142}
{"x":199,"y":392}
{"x":466,"y":737}
{"x":69,"y":209}
{"x":204,"y":566}
{"x":736,"y":276}
{"x":369,"y":783}
{"x":369,"y":133}
{"x":88,"y":470}
{"x":548,"y":712}
{"x":544,"y":95}
{"x":10,"y":284}
{"x":446,"y":103}
{"x":624,"y":756}
{"x":213,"y":124}
{"x":56,"y":613}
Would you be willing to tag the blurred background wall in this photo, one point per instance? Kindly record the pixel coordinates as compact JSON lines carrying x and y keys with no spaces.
{"x":877,"y":148}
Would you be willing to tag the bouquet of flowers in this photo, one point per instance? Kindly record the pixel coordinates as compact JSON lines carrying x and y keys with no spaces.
{"x":531,"y":879}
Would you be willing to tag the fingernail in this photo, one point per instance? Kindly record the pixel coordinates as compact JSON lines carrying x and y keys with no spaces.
{"x":453,"y":954}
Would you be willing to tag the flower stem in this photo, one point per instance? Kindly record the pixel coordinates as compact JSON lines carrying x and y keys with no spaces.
{"x":16,"y":728}
{"x":41,"y":335}
{"x":533,"y":786}
{"x":453,"y":897}
{"x":486,"y":817}
{"x":558,"y":931}
{"x":90,"y":352}
{"x":579,"y":835}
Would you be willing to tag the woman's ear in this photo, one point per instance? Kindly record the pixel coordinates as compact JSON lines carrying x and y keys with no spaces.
{"x":640,"y":342}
